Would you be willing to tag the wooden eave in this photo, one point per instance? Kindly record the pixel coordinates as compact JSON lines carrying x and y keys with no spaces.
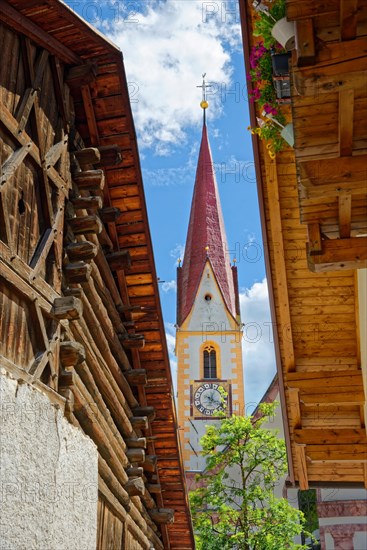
{"x":315,"y":322}
{"x":104,"y":118}
{"x":329,"y":99}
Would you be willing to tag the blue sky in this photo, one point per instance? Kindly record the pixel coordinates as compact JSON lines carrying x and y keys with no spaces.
{"x":167,"y":46}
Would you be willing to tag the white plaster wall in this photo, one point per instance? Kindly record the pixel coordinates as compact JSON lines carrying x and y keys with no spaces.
{"x":49,"y":475}
{"x":205,"y":313}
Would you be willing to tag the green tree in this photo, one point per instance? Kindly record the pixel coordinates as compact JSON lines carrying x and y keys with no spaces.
{"x":234,"y":507}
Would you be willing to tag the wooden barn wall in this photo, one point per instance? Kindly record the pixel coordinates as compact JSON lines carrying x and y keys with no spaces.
{"x":318,"y":338}
{"x":316,"y":314}
{"x":95,"y":394}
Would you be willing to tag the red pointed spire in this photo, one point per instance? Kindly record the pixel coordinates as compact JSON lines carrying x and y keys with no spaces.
{"x":206,"y":238}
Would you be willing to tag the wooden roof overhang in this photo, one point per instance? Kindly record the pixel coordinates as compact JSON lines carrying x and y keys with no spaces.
{"x":104,"y":118}
{"x":329,"y":108}
{"x":315,"y":324}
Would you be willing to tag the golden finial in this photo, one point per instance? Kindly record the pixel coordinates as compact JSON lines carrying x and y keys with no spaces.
{"x":234,"y":261}
{"x":179,"y":262}
{"x":204,"y":103}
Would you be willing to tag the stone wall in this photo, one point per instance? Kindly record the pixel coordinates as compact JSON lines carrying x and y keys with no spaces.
{"x":49,"y":475}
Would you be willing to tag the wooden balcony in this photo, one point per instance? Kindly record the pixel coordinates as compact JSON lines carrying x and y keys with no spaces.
{"x":329,"y":108}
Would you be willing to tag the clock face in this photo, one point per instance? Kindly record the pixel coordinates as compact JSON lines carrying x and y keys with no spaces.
{"x":208,"y":399}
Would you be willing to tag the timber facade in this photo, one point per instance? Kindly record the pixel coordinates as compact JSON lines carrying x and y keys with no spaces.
{"x":81,"y":327}
{"x":313,"y":203}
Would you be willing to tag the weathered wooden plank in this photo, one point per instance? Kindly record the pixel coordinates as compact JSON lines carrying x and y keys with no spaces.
{"x":346,"y":110}
{"x":350,"y":452}
{"x":303,"y":10}
{"x":55,"y":152}
{"x":24,"y":25}
{"x":301,"y":465}
{"x":314,"y":238}
{"x":305,"y":43}
{"x":348,"y":19}
{"x":323,"y":436}
{"x":340,"y":254}
{"x":294,"y":405}
{"x":91,"y":119}
{"x":279,"y":255}
{"x":11,"y":165}
{"x":345,"y":213}
{"x":339,"y":378}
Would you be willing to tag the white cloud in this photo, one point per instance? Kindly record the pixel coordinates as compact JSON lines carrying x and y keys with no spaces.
{"x":169,"y":285}
{"x":177,"y":252}
{"x":166,"y":50}
{"x":258,"y":347}
{"x":171,"y":343}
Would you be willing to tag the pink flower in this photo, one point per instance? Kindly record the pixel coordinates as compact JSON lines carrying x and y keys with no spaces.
{"x":269,"y":109}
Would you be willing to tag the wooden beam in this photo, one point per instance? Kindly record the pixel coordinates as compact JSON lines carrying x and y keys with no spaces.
{"x":348,"y":19}
{"x":331,"y":453}
{"x":305,"y":43}
{"x":89,"y":179}
{"x":71,"y":353}
{"x":150,"y":463}
{"x":91,"y":118}
{"x":136,"y":443}
{"x":281,"y":278}
{"x":345,"y":213}
{"x":135,"y":455}
{"x":67,"y":308}
{"x":110,"y":214}
{"x":312,"y":379}
{"x":334,"y":397}
{"x":325,"y":81}
{"x":111,"y":155}
{"x":12,"y":163}
{"x":346,"y":116}
{"x":119,"y":260}
{"x":295,"y":408}
{"x":145,"y":411}
{"x":132,"y":341}
{"x":340,"y":254}
{"x":81,"y":75}
{"x":136,"y":377}
{"x":85,"y":225}
{"x":139,"y":422}
{"x":88,"y":155}
{"x":314,"y":238}
{"x":77,"y":272}
{"x":113,"y":483}
{"x":334,"y":176}
{"x":297,"y":10}
{"x":24,"y":25}
{"x":162,"y":515}
{"x":93,"y":202}
{"x":300,"y":451}
{"x":135,"y":487}
{"x":135,"y":471}
{"x":81,"y":251}
{"x":326,"y":436}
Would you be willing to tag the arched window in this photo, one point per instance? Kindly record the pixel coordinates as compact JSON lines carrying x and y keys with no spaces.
{"x":210,"y":362}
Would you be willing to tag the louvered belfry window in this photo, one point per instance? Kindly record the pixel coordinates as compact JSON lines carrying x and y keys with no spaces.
{"x":210,"y":363}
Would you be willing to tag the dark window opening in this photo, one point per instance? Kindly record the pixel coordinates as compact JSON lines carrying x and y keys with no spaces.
{"x":210,"y":363}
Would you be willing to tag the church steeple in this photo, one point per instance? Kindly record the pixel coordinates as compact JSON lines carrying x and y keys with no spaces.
{"x":206,"y":239}
{"x":208,"y":329}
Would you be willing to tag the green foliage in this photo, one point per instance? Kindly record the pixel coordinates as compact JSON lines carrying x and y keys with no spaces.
{"x":264,"y":23}
{"x":235,"y":508}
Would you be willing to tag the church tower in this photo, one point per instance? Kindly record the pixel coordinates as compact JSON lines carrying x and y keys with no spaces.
{"x":208,"y":336}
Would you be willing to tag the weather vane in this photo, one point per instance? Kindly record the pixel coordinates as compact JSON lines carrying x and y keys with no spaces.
{"x":204,"y":103}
